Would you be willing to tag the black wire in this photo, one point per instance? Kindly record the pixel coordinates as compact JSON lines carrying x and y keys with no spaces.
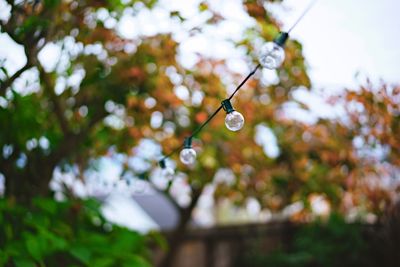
{"x":205,"y":123}
{"x":244,"y":81}
{"x":311,"y":4}
{"x":171,"y":153}
{"x":195,"y":132}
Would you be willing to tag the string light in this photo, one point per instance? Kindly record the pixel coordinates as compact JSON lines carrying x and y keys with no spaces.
{"x":188,"y":154}
{"x":271,"y":56}
{"x":167,"y":172}
{"x":234,"y":121}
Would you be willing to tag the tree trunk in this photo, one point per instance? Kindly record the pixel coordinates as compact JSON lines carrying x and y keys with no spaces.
{"x":32,"y":180}
{"x":177,"y":236}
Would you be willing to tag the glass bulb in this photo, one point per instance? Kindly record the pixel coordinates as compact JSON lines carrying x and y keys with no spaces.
{"x":234,"y":121}
{"x":168,"y":173}
{"x":188,"y":156}
{"x":271,"y":55}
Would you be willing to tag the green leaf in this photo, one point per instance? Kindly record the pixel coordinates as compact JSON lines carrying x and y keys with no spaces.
{"x":47,"y":205}
{"x":159,"y":239}
{"x":54,"y":242}
{"x":3,"y":257}
{"x":24,"y":263}
{"x":136,"y":261}
{"x":103,"y":262}
{"x":82,"y":254}
{"x":33,"y":247}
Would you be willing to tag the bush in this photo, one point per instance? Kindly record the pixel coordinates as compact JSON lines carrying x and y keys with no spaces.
{"x":71,"y":233}
{"x":334,"y":243}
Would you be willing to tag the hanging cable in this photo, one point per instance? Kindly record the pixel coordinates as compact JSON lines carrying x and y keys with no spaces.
{"x":272,"y":55}
{"x":308,"y":8}
{"x":220,"y":107}
{"x":195,"y":132}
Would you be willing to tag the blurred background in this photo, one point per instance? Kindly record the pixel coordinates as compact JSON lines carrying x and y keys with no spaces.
{"x":94,"y":93}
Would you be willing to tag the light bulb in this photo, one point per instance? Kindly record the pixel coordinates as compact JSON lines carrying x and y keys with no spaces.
{"x":271,"y":55}
{"x":234,"y":121}
{"x":168,"y":173}
{"x":188,"y":156}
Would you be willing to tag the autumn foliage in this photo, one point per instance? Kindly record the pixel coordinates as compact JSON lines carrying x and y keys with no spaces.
{"x":350,"y":161}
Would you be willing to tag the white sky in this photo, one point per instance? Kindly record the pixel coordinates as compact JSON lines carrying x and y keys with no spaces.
{"x":343,"y":37}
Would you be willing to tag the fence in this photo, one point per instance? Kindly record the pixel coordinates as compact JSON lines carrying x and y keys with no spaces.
{"x":227,"y":246}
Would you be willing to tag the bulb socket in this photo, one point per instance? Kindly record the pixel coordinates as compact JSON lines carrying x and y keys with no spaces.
{"x":162,"y":164}
{"x":227,"y":106}
{"x":281,"y":38}
{"x":187,"y":143}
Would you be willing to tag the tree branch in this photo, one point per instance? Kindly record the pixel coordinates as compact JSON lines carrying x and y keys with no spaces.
{"x":9,"y":28}
{"x":29,"y":43}
{"x":8,"y":82}
{"x":72,"y":141}
{"x":58,"y":109}
{"x":11,"y":3}
{"x":178,"y":234}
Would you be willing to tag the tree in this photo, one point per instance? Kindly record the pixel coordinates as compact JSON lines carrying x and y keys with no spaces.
{"x":71,"y":121}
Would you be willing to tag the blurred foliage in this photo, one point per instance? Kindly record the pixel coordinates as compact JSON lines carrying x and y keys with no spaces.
{"x":70,"y":233}
{"x":335,"y":242}
{"x":118,"y":77}
{"x":332,"y":243}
